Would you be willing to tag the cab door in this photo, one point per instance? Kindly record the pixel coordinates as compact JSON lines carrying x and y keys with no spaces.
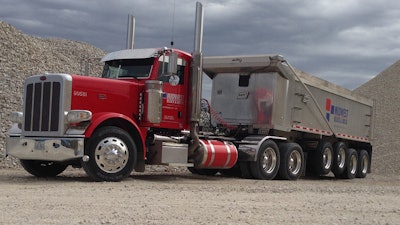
{"x":175,"y":89}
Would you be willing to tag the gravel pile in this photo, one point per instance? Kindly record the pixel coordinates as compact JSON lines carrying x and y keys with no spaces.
{"x":384,"y":89}
{"x":22,"y":55}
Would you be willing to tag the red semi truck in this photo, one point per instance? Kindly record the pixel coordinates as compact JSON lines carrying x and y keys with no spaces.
{"x":268,"y":119}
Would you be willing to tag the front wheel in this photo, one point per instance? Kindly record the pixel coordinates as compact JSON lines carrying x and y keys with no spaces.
{"x":43,"y":168}
{"x":112,"y":154}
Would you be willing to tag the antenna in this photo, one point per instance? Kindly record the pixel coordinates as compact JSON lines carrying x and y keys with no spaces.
{"x":173,"y":26}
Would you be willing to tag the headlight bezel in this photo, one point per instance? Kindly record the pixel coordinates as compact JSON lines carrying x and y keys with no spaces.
{"x":77,"y":116}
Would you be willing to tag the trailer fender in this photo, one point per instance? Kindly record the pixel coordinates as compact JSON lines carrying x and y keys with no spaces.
{"x":250,"y":146}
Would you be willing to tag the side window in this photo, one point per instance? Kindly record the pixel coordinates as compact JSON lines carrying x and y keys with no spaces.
{"x":244,"y":80}
{"x":180,"y":71}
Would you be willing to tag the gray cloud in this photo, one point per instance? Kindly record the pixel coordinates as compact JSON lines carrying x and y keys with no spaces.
{"x":345,"y":42}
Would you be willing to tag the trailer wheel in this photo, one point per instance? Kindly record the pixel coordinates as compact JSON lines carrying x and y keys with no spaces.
{"x":339,"y":158}
{"x":292,"y":161}
{"x":322,"y":158}
{"x":350,"y":170}
{"x":112,"y":154}
{"x":362,"y":164}
{"x":43,"y":168}
{"x":267,"y":163}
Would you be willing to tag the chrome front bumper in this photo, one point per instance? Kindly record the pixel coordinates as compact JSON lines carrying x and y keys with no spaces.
{"x":46,"y":149}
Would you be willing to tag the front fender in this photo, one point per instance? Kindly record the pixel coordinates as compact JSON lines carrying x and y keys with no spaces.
{"x":100,"y":118}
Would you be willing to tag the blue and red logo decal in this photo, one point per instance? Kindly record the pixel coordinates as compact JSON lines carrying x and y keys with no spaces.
{"x":335,"y":113}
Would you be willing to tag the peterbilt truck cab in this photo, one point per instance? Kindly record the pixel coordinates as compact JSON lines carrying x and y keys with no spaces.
{"x":142,"y":93}
{"x":133,"y":115}
{"x":165,"y":69}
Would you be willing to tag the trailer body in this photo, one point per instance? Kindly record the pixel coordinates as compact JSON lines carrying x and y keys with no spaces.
{"x":262,"y":92}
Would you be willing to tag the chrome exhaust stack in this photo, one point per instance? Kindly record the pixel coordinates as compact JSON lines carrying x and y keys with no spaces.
{"x":196,"y":83}
{"x":197,"y":70}
{"x":130,"y":36}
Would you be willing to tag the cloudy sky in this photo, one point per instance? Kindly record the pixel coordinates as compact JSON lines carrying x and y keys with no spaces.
{"x":344,"y":41}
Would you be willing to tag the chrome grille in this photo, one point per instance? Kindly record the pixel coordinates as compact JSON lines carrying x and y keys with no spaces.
{"x":42,"y":106}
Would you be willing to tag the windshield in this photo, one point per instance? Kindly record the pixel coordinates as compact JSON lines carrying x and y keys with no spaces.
{"x":137,"y":68}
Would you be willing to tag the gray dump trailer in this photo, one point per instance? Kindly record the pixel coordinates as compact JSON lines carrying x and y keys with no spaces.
{"x":315,"y":124}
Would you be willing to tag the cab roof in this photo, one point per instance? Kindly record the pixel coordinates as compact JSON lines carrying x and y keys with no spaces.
{"x":131,"y":54}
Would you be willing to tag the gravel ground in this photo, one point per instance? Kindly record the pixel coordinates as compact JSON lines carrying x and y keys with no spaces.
{"x":182,"y":198}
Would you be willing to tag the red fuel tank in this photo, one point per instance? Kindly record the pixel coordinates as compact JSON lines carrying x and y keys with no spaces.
{"x":218,"y":154}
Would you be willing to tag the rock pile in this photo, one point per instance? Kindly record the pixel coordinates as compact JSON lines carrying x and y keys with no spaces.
{"x":384,"y":89}
{"x":22,"y":55}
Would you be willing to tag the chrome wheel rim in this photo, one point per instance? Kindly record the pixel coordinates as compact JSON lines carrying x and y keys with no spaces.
{"x":327,"y":158}
{"x":269,"y":160}
{"x":341,"y":158}
{"x":364,"y":164}
{"x":295,"y":162}
{"x":111,"y":155}
{"x":353,"y":164}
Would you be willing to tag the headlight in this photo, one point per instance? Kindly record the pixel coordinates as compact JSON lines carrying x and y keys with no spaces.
{"x":76,"y":116}
{"x":16,"y":117}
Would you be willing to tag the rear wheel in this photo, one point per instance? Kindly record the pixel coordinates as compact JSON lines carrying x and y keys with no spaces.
{"x":43,"y":168}
{"x":339,"y":158}
{"x":267,"y":163}
{"x":350,"y":170}
{"x":362,"y":164}
{"x":112,"y":154}
{"x":292,"y":161}
{"x":322,"y":158}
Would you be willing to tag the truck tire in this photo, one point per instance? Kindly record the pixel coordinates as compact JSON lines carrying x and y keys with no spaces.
{"x":292,"y":161}
{"x":362,"y":164}
{"x":322,"y":158}
{"x":339,"y":158}
{"x":43,"y":168}
{"x":112,"y":154}
{"x":350,"y":170}
{"x":267,"y":162}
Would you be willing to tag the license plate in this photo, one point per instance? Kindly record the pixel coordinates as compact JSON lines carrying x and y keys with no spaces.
{"x":39,"y":145}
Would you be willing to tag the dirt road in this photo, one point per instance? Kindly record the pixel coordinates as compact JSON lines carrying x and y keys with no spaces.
{"x":183,"y":198}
